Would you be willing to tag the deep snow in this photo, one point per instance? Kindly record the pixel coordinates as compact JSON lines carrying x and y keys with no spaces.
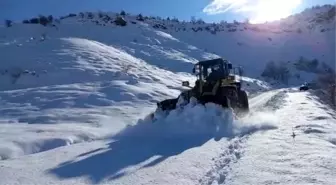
{"x":74,"y":100}
{"x":143,"y":153}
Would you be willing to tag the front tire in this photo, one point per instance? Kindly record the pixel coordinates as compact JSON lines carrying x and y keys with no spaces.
{"x":243,"y":101}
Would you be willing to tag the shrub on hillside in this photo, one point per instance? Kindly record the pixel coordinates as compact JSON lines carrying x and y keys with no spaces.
{"x":326,"y":79}
{"x":159,"y":26}
{"x":90,"y":15}
{"x":43,"y":20}
{"x":100,"y":15}
{"x":276,"y":71}
{"x":196,"y":29}
{"x":313,"y":66}
{"x":223,"y":22}
{"x":200,"y":21}
{"x":50,"y":18}
{"x":331,"y":13}
{"x":232,"y":30}
{"x":72,"y":15}
{"x":307,"y":65}
{"x":123,"y":13}
{"x":34,"y":21}
{"x":106,"y":18}
{"x":140,"y":18}
{"x":327,"y":84}
{"x":213,"y":32}
{"x":175,"y":20}
{"x":325,"y":68}
{"x":67,"y":16}
{"x":230,"y":26}
{"x":120,"y":21}
{"x":81,"y":15}
{"x":8,"y":23}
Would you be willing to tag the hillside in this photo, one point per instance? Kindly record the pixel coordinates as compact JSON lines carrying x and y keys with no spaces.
{"x":310,"y":34}
{"x":75,"y":92}
{"x":85,"y":75}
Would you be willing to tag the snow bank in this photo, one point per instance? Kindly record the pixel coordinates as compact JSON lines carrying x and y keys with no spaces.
{"x":23,"y":139}
{"x":256,"y":122}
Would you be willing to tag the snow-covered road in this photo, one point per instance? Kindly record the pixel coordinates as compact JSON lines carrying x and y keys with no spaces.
{"x":276,"y":157}
{"x":259,"y":100}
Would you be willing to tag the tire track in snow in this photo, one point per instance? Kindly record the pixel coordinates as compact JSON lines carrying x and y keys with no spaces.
{"x":234,"y":150}
{"x":232,"y":153}
{"x":262,"y":99}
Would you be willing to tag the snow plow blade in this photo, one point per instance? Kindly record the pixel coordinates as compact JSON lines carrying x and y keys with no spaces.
{"x":164,"y":107}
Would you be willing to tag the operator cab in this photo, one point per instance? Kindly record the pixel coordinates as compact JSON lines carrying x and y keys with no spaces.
{"x":213,"y":70}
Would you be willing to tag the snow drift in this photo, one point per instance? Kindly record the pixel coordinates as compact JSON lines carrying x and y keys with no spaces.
{"x":194,"y":120}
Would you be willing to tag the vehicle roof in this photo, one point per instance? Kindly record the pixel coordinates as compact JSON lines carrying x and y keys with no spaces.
{"x":211,"y":62}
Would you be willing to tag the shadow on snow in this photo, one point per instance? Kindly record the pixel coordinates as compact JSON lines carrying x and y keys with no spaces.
{"x":126,"y":152}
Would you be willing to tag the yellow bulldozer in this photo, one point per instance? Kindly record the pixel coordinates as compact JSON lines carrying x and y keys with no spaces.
{"x":217,"y":82}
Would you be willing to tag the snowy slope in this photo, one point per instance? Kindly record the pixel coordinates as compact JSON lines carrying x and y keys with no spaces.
{"x":74,"y":97}
{"x":107,"y":83}
{"x":80,"y":76}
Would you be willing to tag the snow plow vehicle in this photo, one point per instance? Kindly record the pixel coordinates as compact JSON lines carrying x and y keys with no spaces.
{"x":217,"y":82}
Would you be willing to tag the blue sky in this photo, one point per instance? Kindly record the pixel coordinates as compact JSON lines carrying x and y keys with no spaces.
{"x":208,"y":10}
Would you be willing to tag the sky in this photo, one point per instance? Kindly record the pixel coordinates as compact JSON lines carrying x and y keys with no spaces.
{"x":256,"y":11}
